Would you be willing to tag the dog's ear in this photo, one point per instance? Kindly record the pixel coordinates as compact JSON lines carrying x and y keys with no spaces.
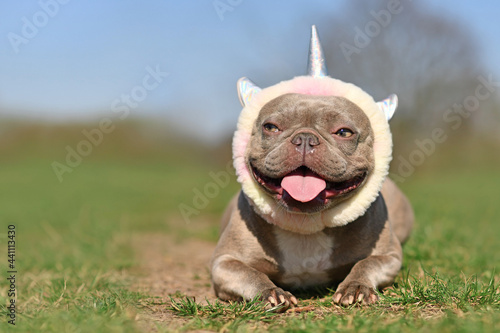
{"x":388,"y":106}
{"x":246,"y":90}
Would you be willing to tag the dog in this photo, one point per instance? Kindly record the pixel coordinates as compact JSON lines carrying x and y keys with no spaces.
{"x":312,"y":155}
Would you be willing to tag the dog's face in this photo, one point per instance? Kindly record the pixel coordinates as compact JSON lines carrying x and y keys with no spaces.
{"x":310,"y":152}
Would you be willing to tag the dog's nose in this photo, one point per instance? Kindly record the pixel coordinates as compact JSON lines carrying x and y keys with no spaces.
{"x":305,"y":141}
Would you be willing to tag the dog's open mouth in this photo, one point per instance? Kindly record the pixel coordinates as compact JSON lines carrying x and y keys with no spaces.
{"x":303,"y":185}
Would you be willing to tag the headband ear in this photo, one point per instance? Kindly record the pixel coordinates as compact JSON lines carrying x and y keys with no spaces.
{"x":388,"y":106}
{"x":246,"y":90}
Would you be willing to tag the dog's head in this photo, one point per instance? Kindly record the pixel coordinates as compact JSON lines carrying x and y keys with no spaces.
{"x":311,"y":152}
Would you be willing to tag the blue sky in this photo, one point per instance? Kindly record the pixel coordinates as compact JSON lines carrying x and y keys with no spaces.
{"x":87,"y":54}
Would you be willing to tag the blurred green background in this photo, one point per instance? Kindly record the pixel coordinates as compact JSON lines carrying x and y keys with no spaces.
{"x":78,"y":195}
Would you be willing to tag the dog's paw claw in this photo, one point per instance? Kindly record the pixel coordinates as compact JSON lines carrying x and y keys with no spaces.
{"x":278,"y":299}
{"x":355,"y":293}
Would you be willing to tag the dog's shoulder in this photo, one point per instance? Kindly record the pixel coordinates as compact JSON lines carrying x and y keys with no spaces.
{"x":245,"y":236}
{"x":399,"y":209}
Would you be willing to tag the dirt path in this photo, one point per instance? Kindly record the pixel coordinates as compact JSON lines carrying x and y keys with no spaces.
{"x":171,"y":267}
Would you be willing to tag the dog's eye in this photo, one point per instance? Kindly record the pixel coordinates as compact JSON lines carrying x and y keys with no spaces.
{"x":271,"y":128}
{"x":344,"y":133}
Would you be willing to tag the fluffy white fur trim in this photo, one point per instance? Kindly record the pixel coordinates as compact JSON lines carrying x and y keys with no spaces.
{"x":346,"y":211}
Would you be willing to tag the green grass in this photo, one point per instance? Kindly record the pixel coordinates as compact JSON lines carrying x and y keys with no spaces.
{"x":424,"y":303}
{"x":74,"y":253}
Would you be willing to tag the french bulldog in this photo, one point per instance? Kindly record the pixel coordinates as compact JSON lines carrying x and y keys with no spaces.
{"x":316,"y":209}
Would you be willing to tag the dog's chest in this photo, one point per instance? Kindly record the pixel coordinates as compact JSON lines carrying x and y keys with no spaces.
{"x":305,"y":259}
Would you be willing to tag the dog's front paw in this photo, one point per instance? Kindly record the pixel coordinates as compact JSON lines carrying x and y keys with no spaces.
{"x":278,"y":299}
{"x":354,"y":292}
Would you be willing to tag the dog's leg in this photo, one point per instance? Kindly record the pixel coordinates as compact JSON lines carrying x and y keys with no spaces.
{"x":366,"y":276}
{"x":234,"y":280}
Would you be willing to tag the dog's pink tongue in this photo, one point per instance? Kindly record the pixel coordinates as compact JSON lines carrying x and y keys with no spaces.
{"x":303,"y":186}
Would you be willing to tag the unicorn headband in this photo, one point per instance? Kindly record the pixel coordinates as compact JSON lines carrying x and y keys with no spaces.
{"x":316,"y":67}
